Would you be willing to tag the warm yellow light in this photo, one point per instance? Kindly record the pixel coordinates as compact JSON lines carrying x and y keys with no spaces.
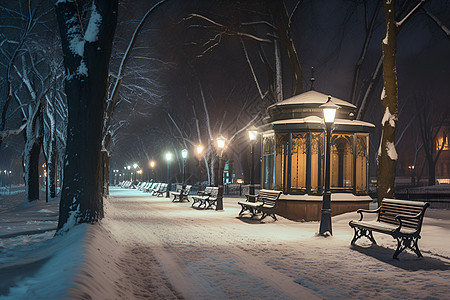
{"x":221,"y":142}
{"x":199,"y":149}
{"x":329,"y":111}
{"x":252,"y":134}
{"x":329,"y":115}
{"x":152,"y":164}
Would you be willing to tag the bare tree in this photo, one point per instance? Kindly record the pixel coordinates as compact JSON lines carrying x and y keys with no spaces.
{"x":272,"y":28}
{"x":430,"y":125}
{"x":113,"y":97}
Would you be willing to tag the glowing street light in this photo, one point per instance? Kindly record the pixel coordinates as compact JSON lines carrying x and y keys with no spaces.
{"x":184,"y":155}
{"x":168,"y":159}
{"x":252,"y":135}
{"x":199,"y":149}
{"x":329,"y":114}
{"x":135,"y":166}
{"x":152,"y":166}
{"x":220,"y":145}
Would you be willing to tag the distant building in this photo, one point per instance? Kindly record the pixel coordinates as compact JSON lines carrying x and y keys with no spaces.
{"x":443,"y":164}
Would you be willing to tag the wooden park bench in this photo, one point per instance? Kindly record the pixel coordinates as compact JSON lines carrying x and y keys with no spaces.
{"x":265,"y":202}
{"x":153,"y":188}
{"x":201,"y":195}
{"x":207,"y":198}
{"x":181,"y":193}
{"x":400,"y":219}
{"x":161,"y":190}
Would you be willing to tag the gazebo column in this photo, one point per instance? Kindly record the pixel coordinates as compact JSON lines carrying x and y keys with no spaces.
{"x":355,"y":154}
{"x":308,"y":164}
{"x":289,"y":164}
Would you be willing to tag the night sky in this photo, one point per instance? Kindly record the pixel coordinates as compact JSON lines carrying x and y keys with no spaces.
{"x":164,"y":73}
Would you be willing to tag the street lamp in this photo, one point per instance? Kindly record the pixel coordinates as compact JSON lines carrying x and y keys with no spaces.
{"x":152,"y":166}
{"x":168,"y":159}
{"x":129,"y":168}
{"x":220,"y":145}
{"x":199,"y":155}
{"x":329,"y":114}
{"x":184,"y":154}
{"x":252,"y":135}
{"x":135,"y":165}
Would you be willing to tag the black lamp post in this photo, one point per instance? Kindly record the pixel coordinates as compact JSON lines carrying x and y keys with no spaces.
{"x":135,"y":165}
{"x":329,"y":113}
{"x":184,"y":154}
{"x":168,"y":159}
{"x":252,"y":135}
{"x":220,"y":145}
{"x":152,"y":166}
{"x":199,"y":154}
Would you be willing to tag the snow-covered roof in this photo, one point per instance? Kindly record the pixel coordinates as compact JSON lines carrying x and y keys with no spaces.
{"x":318,"y":120}
{"x":312,"y":97}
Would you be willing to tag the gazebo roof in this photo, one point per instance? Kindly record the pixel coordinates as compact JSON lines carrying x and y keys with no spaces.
{"x":311,"y":98}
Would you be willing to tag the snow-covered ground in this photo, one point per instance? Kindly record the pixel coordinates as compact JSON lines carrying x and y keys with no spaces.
{"x":150,"y":248}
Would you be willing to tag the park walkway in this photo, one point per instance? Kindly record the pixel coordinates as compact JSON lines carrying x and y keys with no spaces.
{"x":168,"y":250}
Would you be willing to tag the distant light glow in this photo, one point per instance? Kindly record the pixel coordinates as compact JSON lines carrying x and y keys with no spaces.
{"x":199,"y":149}
{"x":252,"y":134}
{"x":168,"y":156}
{"x":221,"y":142}
{"x":184,"y":153}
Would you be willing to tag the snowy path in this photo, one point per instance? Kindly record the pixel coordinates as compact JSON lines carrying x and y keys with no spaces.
{"x":153,"y":248}
{"x":200,"y":254}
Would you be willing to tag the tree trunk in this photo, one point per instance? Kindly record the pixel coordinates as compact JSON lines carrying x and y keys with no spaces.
{"x":387,"y":155}
{"x":32,"y":151}
{"x":431,"y":171}
{"x":52,"y":175}
{"x":85,"y":86}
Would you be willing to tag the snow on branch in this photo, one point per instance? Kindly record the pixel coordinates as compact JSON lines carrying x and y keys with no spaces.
{"x":388,"y":118}
{"x":401,"y":22}
{"x":5,"y":134}
{"x":438,"y":22}
{"x":93,"y":27}
{"x":222,"y":30}
{"x":255,"y":79}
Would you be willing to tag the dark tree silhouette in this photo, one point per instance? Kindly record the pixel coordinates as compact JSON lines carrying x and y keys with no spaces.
{"x":86,"y":60}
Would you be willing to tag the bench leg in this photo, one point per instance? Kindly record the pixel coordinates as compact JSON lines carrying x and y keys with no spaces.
{"x":242,"y":210}
{"x":252,"y":210}
{"x":407,"y":242}
{"x":264,"y":214}
{"x":360,"y":232}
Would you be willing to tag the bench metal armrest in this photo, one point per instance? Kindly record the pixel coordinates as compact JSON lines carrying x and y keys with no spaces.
{"x":251,"y":198}
{"x":361,"y":211}
{"x":400,"y":217}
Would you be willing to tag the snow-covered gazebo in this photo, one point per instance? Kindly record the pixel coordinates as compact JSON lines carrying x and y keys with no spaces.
{"x":293,"y":155}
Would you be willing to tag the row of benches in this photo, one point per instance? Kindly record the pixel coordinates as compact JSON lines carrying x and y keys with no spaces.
{"x":400,"y":219}
{"x":154,"y":188}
